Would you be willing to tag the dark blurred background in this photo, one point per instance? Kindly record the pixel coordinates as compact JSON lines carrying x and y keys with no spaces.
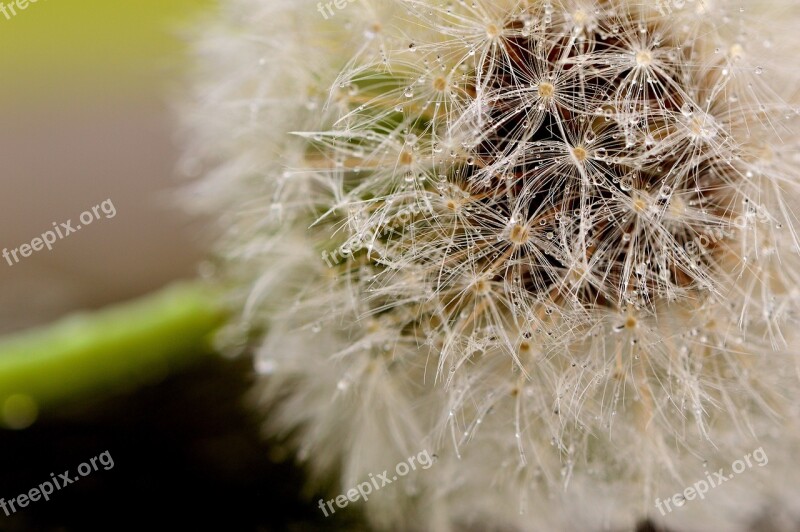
{"x":86,"y":88}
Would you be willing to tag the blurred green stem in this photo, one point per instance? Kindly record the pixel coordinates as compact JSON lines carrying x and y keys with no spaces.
{"x":117,"y":348}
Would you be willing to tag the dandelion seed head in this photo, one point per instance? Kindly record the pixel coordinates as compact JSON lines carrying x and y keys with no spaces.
{"x":558,"y":245}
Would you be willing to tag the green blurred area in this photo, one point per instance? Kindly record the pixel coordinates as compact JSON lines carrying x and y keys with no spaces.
{"x":115,"y":45}
{"x":115,"y":349}
{"x":58,"y":58}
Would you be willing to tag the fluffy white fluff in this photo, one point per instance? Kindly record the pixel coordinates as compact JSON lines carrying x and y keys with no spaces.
{"x":552,"y":242}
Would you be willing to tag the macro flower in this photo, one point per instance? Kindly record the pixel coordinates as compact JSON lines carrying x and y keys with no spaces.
{"x":552,"y":242}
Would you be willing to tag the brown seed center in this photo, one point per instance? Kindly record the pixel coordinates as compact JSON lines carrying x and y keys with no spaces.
{"x":546,"y":90}
{"x":519,"y":234}
{"x":406,"y":158}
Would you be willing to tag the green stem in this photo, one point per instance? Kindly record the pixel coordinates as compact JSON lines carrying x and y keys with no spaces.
{"x":116,"y":348}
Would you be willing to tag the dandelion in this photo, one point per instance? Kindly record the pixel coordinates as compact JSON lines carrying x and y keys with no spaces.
{"x":567,"y":249}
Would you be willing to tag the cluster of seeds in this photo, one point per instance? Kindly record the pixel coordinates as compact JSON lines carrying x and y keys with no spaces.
{"x":558,"y":246}
{"x":535,"y":165}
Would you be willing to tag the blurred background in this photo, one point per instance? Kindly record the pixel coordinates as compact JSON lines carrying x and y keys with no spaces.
{"x":84,"y":109}
{"x":86,"y":88}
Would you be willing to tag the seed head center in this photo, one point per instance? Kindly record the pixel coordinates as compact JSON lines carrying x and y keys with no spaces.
{"x":580,"y":153}
{"x":737,"y":51}
{"x":546,"y":90}
{"x":453,"y":205}
{"x":519,"y":234}
{"x":482,"y":286}
{"x":406,"y":158}
{"x":641,"y":202}
{"x":644,"y":58}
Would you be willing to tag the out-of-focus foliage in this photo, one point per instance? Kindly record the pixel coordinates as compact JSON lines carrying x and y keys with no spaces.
{"x":122,"y":44}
